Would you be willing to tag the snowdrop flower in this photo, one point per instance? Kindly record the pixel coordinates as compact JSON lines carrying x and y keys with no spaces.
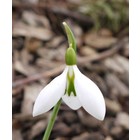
{"x":75,"y":89}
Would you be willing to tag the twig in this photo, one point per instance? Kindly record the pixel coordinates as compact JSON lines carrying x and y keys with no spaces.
{"x":38,"y":76}
{"x":27,"y":117}
{"x":55,"y":10}
{"x":115,"y":48}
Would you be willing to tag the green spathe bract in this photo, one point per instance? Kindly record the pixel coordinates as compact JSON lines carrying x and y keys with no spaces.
{"x":71,"y":38}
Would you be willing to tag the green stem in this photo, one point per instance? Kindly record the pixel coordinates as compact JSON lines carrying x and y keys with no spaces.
{"x":52,"y":120}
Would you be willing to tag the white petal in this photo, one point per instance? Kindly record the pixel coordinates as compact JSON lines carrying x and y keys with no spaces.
{"x":50,"y":95}
{"x":89,"y":95}
{"x":72,"y":101}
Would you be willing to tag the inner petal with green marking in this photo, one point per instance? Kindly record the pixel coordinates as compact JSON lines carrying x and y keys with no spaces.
{"x":70,"y":89}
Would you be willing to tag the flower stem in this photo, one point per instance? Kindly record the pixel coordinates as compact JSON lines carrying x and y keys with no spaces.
{"x":52,"y":120}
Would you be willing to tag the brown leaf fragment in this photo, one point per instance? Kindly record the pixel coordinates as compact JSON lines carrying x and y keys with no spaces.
{"x":56,"y":42}
{"x":114,"y":83}
{"x":18,"y":66}
{"x":86,"y":51}
{"x":35,"y":20}
{"x":23,"y":68}
{"x":122,"y":120}
{"x":37,"y":128}
{"x":22,"y":29}
{"x":111,"y":64}
{"x":99,"y":42}
{"x":112,"y":106}
{"x":122,"y":61}
{"x":116,"y":131}
{"x":30,"y":95}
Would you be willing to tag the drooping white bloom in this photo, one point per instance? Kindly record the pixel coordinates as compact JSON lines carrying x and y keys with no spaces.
{"x":76,"y":90}
{"x":72,"y":86}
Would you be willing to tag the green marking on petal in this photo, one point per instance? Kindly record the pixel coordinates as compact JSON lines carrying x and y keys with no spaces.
{"x":70,"y":83}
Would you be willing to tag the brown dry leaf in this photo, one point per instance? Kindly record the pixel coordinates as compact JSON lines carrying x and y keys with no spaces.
{"x":116,"y":85}
{"x":99,"y":42}
{"x":111,"y":64}
{"x":24,"y":69}
{"x":18,"y":66}
{"x":122,"y":120}
{"x":122,"y":61}
{"x":22,"y":63}
{"x":116,"y":131}
{"x":32,"y":44}
{"x":35,"y":20}
{"x":25,"y":57}
{"x":105,"y":32}
{"x":30,"y":95}
{"x":45,"y":64}
{"x":52,"y":54}
{"x":37,"y":128}
{"x":46,"y":53}
{"x":54,"y":43}
{"x":22,"y":29}
{"x":112,"y":106}
{"x":120,"y":66}
{"x":60,"y":54}
{"x":86,"y":51}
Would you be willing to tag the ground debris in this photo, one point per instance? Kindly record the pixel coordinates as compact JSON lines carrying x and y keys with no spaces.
{"x":39,"y":46}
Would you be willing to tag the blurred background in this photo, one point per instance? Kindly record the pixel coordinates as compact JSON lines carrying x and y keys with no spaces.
{"x":39,"y":44}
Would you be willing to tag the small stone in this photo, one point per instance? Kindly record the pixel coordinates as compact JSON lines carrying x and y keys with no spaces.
{"x":108,"y":138}
{"x":122,"y":120}
{"x":32,"y":44}
{"x":105,"y":32}
{"x":86,"y":51}
{"x":112,"y":106}
{"x":116,"y":131}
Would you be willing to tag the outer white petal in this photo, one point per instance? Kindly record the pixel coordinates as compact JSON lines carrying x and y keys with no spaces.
{"x":50,"y":95}
{"x":72,"y":101}
{"x":89,"y":95}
